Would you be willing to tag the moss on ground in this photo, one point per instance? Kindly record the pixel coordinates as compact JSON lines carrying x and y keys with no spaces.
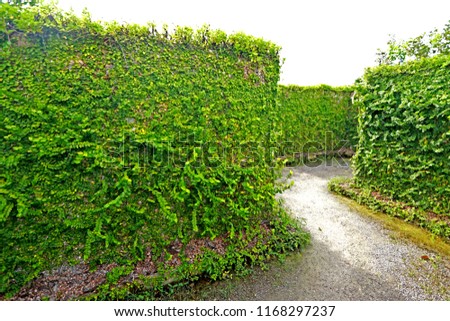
{"x":394,"y":219}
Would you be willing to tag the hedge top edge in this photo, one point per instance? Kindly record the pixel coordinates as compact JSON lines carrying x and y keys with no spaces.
{"x":18,"y":19}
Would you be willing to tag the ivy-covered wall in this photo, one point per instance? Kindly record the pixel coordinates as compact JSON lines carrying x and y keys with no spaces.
{"x":404,"y":133}
{"x":316,"y":118}
{"x":118,"y":139}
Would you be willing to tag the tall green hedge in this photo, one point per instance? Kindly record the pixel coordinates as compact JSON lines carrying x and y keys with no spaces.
{"x":316,"y":118}
{"x":118,"y":138}
{"x":404,"y":132}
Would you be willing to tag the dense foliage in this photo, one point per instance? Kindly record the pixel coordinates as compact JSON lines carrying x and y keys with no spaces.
{"x":319,"y":118}
{"x":120,"y":139}
{"x":404,"y":134}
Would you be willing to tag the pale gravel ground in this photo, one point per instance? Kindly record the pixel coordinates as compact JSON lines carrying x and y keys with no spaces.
{"x":350,"y":257}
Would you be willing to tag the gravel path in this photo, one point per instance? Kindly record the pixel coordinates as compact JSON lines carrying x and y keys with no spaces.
{"x":350,"y":257}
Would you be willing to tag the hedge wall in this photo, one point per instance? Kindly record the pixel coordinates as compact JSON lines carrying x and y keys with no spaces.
{"x":319,"y":118}
{"x":116,"y":139}
{"x":404,"y":133}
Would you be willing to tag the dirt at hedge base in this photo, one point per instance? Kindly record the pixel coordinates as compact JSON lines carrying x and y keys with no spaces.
{"x":351,"y":257}
{"x":71,"y":282}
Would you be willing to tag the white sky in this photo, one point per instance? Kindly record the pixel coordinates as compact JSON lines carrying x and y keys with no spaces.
{"x":324,"y":41}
